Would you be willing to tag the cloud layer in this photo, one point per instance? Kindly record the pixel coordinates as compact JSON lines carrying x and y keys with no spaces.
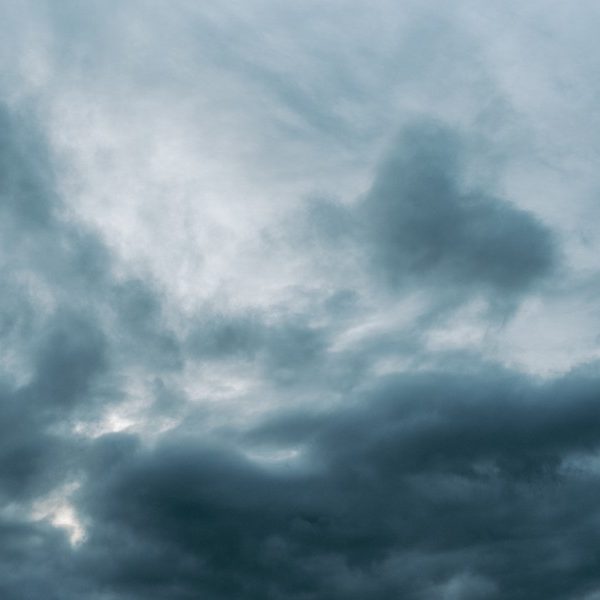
{"x":298,"y":302}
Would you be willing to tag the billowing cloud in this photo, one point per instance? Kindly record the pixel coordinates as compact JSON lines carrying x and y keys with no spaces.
{"x":423,"y":482}
{"x":422,"y":222}
{"x":298,"y":301}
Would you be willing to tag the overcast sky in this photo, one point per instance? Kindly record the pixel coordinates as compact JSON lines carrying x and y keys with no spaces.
{"x":299,"y":300}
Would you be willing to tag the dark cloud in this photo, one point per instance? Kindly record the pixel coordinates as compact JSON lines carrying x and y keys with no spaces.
{"x":60,"y":352}
{"x":422,"y":225}
{"x":66,"y":327}
{"x":431,"y":485}
{"x":335,"y":481}
{"x":35,"y":562}
{"x":68,"y":357}
{"x":423,"y":222}
{"x":139,"y":315}
{"x":413,"y":486}
{"x":285,"y":348}
{"x":26,"y":177}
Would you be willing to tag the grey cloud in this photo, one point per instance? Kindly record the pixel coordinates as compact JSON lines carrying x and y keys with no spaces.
{"x":285,"y":348}
{"x":35,"y":453}
{"x":63,"y":351}
{"x":31,"y":557}
{"x":59,"y":305}
{"x":140,"y":316}
{"x":423,"y":222}
{"x":67,"y":260}
{"x":420,"y":225}
{"x":336,"y":481}
{"x":71,"y":353}
{"x":434,"y":482}
{"x":26,"y":177}
{"x":400,"y":478}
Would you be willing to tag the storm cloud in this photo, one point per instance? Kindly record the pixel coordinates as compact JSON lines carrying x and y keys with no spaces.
{"x":298,"y":301}
{"x":422,"y":481}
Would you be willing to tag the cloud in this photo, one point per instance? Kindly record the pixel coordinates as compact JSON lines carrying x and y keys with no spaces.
{"x":422,"y":225}
{"x":423,"y":222}
{"x":62,"y":354}
{"x":263,"y":329}
{"x":468,"y":480}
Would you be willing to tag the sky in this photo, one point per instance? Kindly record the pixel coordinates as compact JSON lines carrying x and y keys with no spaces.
{"x":299,"y":300}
